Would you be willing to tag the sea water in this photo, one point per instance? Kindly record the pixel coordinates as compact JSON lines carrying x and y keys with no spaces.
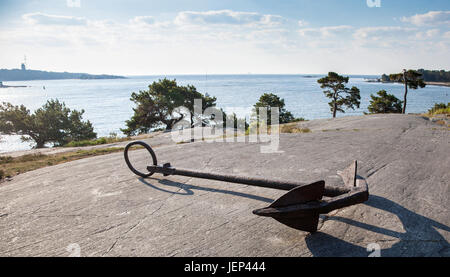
{"x":107,"y":102}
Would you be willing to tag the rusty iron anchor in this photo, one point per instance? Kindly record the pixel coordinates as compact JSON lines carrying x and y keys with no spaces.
{"x":299,"y":208}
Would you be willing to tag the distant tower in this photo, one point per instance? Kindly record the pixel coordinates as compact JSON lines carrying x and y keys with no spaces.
{"x":23,"y":65}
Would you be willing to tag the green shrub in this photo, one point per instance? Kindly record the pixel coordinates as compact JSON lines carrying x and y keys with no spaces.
{"x":384,"y":103}
{"x":269,"y":100}
{"x":87,"y":142}
{"x":440,"y":108}
{"x":299,"y":119}
{"x":81,"y":143}
{"x":101,"y":141}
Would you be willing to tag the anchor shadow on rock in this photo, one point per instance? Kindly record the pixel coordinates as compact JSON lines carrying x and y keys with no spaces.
{"x":189,"y":189}
{"x":419,"y":239}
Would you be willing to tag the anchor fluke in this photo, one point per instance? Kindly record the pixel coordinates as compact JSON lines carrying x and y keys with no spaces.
{"x":288,"y":210}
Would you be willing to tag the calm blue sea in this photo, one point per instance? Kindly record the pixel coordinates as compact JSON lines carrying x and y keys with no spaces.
{"x":107,"y":105}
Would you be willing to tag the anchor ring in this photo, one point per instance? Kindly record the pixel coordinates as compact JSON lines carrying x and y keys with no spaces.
{"x":130,"y":166}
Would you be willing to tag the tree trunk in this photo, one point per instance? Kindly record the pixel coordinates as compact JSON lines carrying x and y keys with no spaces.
{"x":334,"y":106}
{"x":40,"y":144}
{"x":406,"y":93}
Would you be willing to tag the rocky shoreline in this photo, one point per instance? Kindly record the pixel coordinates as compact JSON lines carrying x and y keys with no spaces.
{"x":99,"y":204}
{"x":441,"y":84}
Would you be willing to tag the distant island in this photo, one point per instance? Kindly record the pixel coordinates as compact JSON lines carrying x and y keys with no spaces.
{"x":431,"y":77}
{"x":24,"y":74}
{"x":6,"y":86}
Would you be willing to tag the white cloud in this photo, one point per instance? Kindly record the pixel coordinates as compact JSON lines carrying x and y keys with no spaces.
{"x":149,"y":20}
{"x":144,"y":22}
{"x":380,"y":33}
{"x":302,"y":23}
{"x":226,"y":17}
{"x":73,"y":3}
{"x":397,"y":38}
{"x":429,"y":34}
{"x":430,"y":18}
{"x":328,"y":31}
{"x":47,"y":19}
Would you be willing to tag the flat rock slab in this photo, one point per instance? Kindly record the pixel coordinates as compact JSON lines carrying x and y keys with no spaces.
{"x":98,"y":207}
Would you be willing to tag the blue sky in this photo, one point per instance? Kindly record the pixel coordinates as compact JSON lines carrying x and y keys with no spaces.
{"x":225,"y":37}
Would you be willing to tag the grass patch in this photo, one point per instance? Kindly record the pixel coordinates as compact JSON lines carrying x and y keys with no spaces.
{"x":185,"y":141}
{"x":5,"y":159}
{"x":441,"y":122}
{"x":293,"y":129}
{"x":287,"y":128}
{"x":10,"y":166}
{"x":103,"y":140}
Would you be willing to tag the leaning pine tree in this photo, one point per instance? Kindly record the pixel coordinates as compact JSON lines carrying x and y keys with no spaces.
{"x":411,"y":79}
{"x":339,"y":94}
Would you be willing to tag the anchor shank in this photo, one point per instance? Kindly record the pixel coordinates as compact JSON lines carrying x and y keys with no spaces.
{"x":258,"y":182}
{"x":329,"y":191}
